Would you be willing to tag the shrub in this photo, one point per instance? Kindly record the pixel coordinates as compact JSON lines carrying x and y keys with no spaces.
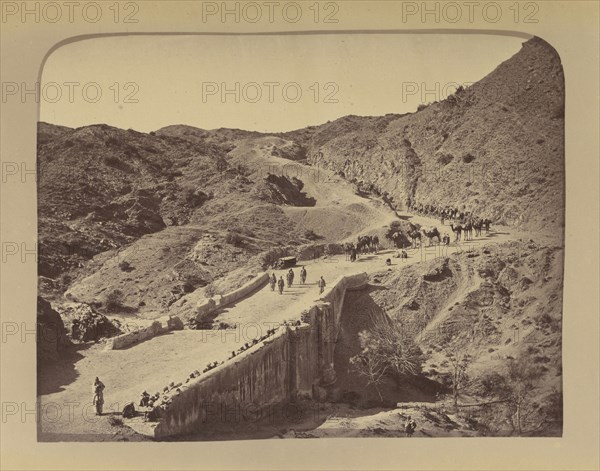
{"x":515,"y":390}
{"x":193,"y":196}
{"x":234,"y":238}
{"x":125,"y":266}
{"x":546,"y":321}
{"x":112,"y":161}
{"x":387,"y":349}
{"x":445,"y":159}
{"x":114,"y":300}
{"x":468,"y":158}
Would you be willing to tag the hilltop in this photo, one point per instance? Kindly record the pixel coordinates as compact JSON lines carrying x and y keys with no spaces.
{"x":496,"y":148}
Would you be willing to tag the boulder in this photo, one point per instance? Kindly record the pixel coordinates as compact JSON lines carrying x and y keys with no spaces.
{"x":174,"y":323}
{"x":87,"y":324}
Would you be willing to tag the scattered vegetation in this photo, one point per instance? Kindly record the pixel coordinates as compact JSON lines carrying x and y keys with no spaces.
{"x":513,"y":399}
{"x":125,"y":266}
{"x":387,"y":349}
{"x":114,"y":300}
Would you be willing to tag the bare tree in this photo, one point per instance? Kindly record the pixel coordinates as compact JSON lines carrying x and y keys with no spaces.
{"x":459,"y":379}
{"x":517,"y":388}
{"x":387,"y":348}
{"x":372,"y":367}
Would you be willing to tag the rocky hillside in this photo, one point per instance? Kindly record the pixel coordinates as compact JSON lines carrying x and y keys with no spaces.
{"x":157,"y":216}
{"x":150,"y":218}
{"x":102,"y":189}
{"x":495,"y":148}
{"x":494,"y":311}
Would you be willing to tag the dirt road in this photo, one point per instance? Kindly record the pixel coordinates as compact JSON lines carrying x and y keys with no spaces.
{"x":153,"y":364}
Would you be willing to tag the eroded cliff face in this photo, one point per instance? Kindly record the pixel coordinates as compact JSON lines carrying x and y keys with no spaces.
{"x":495,"y":148}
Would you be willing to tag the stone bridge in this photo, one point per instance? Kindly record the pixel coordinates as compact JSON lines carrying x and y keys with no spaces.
{"x":297,"y":361}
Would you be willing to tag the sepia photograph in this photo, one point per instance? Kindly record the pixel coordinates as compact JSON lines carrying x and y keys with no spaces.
{"x":366,"y":244}
{"x":300,"y":235}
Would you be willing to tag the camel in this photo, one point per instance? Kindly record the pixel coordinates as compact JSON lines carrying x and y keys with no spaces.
{"x":415,"y":235}
{"x":364,"y":242}
{"x":375,"y":243}
{"x":457,"y":231}
{"x":430,"y":234}
{"x":468,"y":230}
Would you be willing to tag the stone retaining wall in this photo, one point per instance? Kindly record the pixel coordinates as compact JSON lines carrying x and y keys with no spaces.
{"x":159,"y":326}
{"x":296,"y":360}
{"x":206,"y":307}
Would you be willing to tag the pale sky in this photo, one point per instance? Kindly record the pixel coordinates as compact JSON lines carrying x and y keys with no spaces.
{"x":283,"y":82}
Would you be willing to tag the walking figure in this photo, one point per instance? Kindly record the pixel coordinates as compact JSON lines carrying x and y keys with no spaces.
{"x":98,"y":400}
{"x":321,"y":284}
{"x":273,"y":281}
{"x":280,"y":284}
{"x":303,"y":275}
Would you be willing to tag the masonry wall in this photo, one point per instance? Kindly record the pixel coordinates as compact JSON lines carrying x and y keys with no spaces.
{"x":295,"y":361}
{"x":159,"y":326}
{"x":208,"y":306}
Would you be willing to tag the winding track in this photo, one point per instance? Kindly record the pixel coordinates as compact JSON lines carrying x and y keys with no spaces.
{"x":156,"y":362}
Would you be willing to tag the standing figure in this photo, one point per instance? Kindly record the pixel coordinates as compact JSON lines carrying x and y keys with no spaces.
{"x":98,"y":400}
{"x":290,"y":278}
{"x":303,"y":275}
{"x":273,"y":281}
{"x":280,"y":284}
{"x":321,"y":284}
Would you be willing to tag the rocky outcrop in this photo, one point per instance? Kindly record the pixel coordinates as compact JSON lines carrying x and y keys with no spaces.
{"x":51,"y":333}
{"x":86,"y":324}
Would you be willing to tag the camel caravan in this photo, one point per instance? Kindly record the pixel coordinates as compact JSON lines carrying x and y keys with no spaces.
{"x":364,"y":245}
{"x":464,"y":224}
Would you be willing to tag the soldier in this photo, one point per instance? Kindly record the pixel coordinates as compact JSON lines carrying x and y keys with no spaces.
{"x":321,"y":284}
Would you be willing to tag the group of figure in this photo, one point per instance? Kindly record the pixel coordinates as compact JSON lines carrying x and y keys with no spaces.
{"x":290,"y":275}
{"x":364,"y":245}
